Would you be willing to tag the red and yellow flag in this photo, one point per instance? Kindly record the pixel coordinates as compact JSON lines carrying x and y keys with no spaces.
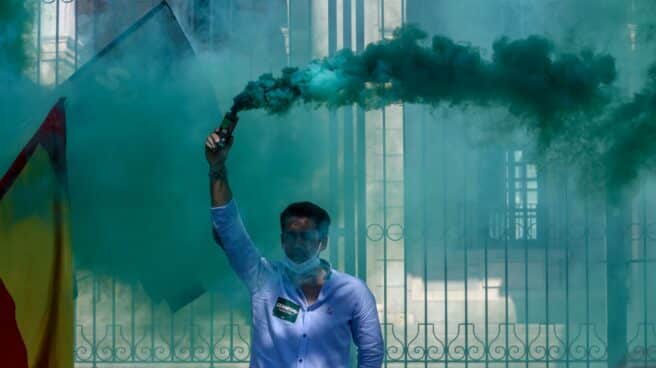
{"x":36,"y":276}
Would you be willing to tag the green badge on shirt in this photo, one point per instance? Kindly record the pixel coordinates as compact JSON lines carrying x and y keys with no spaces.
{"x":286,"y":310}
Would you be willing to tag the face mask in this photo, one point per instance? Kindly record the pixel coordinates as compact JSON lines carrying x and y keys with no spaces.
{"x":304,"y":268}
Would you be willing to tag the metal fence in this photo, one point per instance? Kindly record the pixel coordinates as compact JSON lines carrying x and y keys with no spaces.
{"x":453,"y":303}
{"x":117,"y":323}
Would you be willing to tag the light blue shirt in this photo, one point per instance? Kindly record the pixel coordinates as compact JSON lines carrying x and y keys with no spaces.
{"x":286,"y":331}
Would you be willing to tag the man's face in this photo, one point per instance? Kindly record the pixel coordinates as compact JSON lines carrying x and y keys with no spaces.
{"x":301,"y":239}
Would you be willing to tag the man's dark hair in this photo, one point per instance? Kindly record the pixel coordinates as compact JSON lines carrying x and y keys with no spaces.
{"x":309,"y":210}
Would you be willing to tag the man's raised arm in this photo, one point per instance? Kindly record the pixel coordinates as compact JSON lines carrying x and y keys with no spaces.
{"x":220,"y":192}
{"x":228,"y":229}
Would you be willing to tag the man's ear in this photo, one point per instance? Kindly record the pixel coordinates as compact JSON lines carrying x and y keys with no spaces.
{"x":323,"y":244}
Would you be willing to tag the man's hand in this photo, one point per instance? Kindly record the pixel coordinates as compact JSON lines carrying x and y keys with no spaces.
{"x":216,"y":157}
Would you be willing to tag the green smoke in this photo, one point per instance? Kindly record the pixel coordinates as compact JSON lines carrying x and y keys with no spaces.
{"x":561,"y":98}
{"x":15,"y":22}
{"x":612,"y":149}
{"x":137,"y":117}
{"x":526,"y":75}
{"x":627,"y":137}
{"x":21,"y":99}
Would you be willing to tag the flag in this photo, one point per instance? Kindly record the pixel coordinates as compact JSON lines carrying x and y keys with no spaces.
{"x":136,"y":113}
{"x":36,"y":276}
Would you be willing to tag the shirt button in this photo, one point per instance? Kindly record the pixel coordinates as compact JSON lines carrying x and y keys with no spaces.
{"x":304,"y":335}
{"x":300,"y":360}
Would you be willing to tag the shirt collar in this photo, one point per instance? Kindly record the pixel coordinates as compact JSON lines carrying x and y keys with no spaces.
{"x":326,"y":266}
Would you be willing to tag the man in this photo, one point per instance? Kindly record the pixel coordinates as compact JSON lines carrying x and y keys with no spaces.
{"x":304,"y":313}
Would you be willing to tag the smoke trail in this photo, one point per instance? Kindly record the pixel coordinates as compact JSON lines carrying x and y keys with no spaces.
{"x":627,"y":137}
{"x":561,"y":96}
{"x":612,"y":150}
{"x":524,"y":75}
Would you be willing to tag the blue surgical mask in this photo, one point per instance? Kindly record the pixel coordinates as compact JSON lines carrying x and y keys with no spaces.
{"x":304,"y":268}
